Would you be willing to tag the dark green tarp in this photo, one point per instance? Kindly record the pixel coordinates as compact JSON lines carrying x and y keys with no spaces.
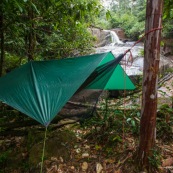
{"x":40,"y":89}
{"x":111,"y":76}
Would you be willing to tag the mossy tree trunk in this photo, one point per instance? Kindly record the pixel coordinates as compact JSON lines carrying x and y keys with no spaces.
{"x":150,"y":80}
{"x":2,"y":54}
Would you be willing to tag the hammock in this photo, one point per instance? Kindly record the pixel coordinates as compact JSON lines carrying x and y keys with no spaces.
{"x":40,"y":89}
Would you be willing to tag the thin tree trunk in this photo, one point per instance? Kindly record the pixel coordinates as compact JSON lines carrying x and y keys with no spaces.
{"x":2,"y":42}
{"x":150,"y":80}
{"x":31,"y":35}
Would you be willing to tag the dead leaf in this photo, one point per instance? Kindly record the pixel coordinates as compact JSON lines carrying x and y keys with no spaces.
{"x":99,"y":168}
{"x":84,"y":166}
{"x":167,"y":162}
{"x":117,"y":171}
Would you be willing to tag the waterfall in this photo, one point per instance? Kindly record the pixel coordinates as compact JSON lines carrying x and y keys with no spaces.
{"x":117,"y":47}
{"x":115,"y":39}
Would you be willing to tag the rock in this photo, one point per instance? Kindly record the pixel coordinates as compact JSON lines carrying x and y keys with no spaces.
{"x":99,"y":168}
{"x":120,"y":33}
{"x":102,"y":36}
{"x":84,"y":166}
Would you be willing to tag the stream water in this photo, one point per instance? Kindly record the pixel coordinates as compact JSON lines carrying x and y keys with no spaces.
{"x":136,"y":68}
{"x":118,"y":47}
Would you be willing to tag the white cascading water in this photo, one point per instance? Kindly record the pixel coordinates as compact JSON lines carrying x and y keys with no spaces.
{"x":115,"y":39}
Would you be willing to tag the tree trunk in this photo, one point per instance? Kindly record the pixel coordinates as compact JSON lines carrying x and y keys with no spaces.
{"x":2,"y":42}
{"x":150,"y":80}
{"x":31,"y":35}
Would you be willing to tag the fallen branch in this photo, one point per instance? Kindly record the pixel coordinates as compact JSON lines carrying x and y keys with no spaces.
{"x":23,"y":132}
{"x":165,"y":78}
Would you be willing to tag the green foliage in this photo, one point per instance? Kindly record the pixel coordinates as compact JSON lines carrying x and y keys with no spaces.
{"x":102,"y":20}
{"x":106,"y":128}
{"x":155,"y":159}
{"x":127,"y":15}
{"x":142,"y":52}
{"x":165,"y":123}
{"x":111,"y":123}
{"x":129,"y":23}
{"x":169,"y":70}
{"x":168,"y":9}
{"x":4,"y":156}
{"x":133,"y":122}
{"x":46,"y":29}
{"x":58,"y":45}
{"x":12,"y":61}
{"x":167,"y":19}
{"x":167,"y":30}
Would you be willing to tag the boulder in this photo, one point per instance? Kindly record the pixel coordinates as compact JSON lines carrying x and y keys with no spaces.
{"x":120,"y":33}
{"x":103,"y":37}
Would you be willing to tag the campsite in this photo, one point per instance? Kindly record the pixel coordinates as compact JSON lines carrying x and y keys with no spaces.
{"x":86,"y":86}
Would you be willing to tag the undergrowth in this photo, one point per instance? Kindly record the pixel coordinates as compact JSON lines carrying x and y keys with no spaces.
{"x":115,"y":130}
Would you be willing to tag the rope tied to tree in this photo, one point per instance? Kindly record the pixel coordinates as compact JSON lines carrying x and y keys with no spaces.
{"x":130,"y":58}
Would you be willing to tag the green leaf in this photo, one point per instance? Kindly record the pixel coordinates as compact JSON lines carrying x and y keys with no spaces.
{"x":128,"y":119}
{"x":133,"y":123}
{"x":35,"y":7}
{"x":138,"y":114}
{"x":108,"y":14}
{"x":98,"y":147}
{"x":20,"y":8}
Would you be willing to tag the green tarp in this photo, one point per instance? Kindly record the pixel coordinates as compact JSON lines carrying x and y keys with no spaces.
{"x":111,"y":75}
{"x":40,"y":89}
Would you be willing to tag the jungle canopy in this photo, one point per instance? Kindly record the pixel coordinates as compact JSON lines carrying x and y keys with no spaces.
{"x":40,"y":89}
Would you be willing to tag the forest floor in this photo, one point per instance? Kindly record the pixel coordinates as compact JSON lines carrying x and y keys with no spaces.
{"x":101,"y":151}
{"x":105,"y":143}
{"x":97,"y":146}
{"x":74,"y":149}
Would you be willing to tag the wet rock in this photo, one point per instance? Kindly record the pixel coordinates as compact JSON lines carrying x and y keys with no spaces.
{"x":102,"y":36}
{"x":120,"y":33}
